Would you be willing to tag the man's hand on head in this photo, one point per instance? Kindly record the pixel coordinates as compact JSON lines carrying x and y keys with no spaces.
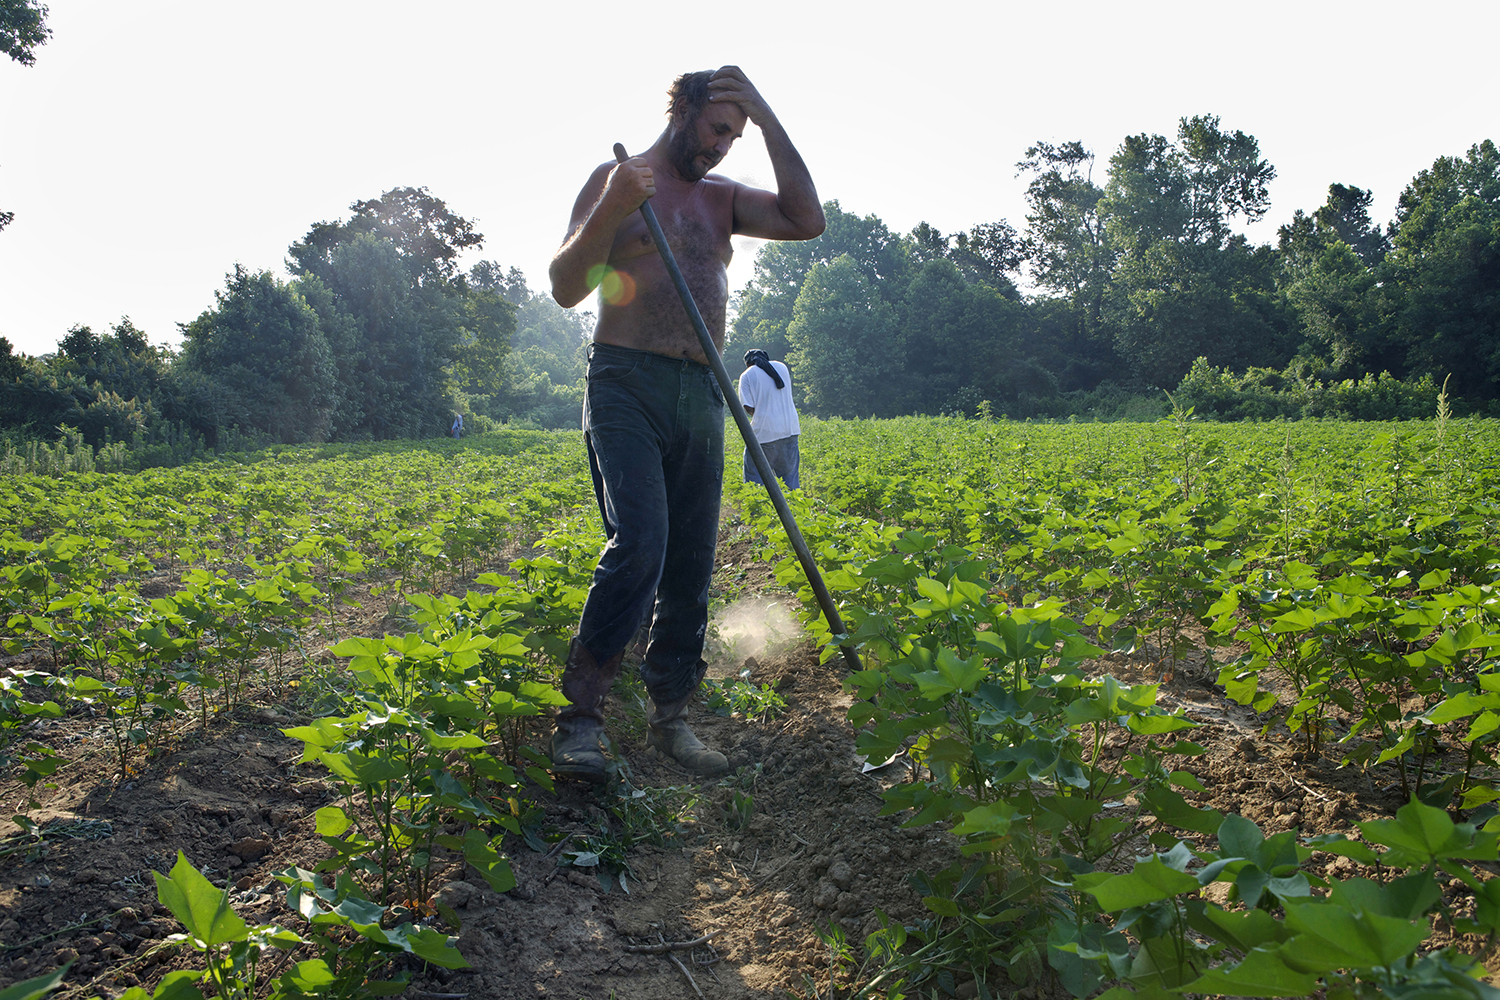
{"x":729,"y":83}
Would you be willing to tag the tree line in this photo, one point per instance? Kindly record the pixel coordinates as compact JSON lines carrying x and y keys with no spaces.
{"x":1139,"y":279}
{"x":1136,"y":282}
{"x":377,"y":334}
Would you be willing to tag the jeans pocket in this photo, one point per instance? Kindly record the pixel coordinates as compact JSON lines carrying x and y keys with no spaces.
{"x":611,"y":371}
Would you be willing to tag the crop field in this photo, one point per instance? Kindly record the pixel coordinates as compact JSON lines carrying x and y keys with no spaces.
{"x":1148,"y":709}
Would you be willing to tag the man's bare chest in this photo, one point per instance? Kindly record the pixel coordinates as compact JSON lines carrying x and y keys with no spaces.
{"x":697,"y":223}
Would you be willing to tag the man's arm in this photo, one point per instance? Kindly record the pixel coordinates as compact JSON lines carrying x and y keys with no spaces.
{"x":793,"y":211}
{"x":613,"y":193}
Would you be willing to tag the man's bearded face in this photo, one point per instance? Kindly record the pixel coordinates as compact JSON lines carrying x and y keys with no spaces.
{"x":703,"y":139}
{"x":689,"y":156}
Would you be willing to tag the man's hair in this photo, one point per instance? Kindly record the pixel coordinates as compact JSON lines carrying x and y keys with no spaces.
{"x":690,"y":88}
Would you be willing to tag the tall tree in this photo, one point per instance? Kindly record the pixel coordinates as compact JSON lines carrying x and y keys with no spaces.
{"x":1443,"y":273}
{"x":1328,"y":262}
{"x":962,"y":342}
{"x":764,"y":309}
{"x":266,"y":358}
{"x":1068,"y":254}
{"x":1184,"y":285}
{"x":991,"y":253}
{"x":421,"y":334}
{"x":848,"y":350}
{"x":427,"y":236}
{"x":23,"y":27}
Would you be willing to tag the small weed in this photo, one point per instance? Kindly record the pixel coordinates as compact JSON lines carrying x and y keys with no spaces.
{"x":741,"y":808}
{"x":742,"y":698}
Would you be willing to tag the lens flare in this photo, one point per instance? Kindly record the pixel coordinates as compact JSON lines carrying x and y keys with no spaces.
{"x":617,"y":287}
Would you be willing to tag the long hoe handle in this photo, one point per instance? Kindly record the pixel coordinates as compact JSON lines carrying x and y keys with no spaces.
{"x":742,"y":420}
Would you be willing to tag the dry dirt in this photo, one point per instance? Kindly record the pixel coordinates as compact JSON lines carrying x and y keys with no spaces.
{"x":813,"y":851}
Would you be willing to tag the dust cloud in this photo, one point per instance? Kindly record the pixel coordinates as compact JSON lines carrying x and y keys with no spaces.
{"x":756,"y":627}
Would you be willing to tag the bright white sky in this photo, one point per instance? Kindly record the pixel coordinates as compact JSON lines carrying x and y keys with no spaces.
{"x":156,"y":143}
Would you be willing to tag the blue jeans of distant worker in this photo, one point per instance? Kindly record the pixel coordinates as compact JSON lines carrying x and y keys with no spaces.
{"x":785,"y":462}
{"x":654,"y":427}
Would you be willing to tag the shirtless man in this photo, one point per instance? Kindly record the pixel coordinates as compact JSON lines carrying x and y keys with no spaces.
{"x":653,"y":416}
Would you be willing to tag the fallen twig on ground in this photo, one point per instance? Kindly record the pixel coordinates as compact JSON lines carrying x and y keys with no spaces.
{"x":666,"y":946}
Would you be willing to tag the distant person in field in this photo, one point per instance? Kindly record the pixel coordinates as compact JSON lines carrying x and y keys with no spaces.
{"x":653,"y":414}
{"x":458,"y":426}
{"x":766,"y":392}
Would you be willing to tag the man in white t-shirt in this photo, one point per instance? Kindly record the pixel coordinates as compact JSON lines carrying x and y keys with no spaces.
{"x":766,"y":391}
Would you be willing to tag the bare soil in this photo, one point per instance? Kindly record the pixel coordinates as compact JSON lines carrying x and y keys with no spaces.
{"x":813,"y":852}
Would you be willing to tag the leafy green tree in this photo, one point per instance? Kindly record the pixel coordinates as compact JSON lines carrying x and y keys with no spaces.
{"x":848,"y":349}
{"x":1179,"y":301}
{"x":267,"y":358}
{"x":990,"y":253}
{"x":1184,"y":286}
{"x":23,"y":27}
{"x":409,"y":335}
{"x":764,"y":311}
{"x":962,"y":343}
{"x":542,"y":379}
{"x":81,"y":345}
{"x":11,"y":365}
{"x":1328,"y":262}
{"x":1068,"y":254}
{"x":1344,"y":217}
{"x":1443,"y":273}
{"x":428,"y":237}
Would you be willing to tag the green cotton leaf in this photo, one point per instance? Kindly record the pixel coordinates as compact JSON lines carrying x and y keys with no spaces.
{"x":310,"y":977}
{"x":1477,"y":796}
{"x":1331,"y":937}
{"x":842,"y":579}
{"x":1262,"y":973}
{"x":1155,"y":725}
{"x":1434,"y":579}
{"x":1244,"y":929}
{"x":941,"y":905}
{"x":321,"y":735}
{"x":993,"y":820}
{"x":360,"y":915}
{"x":1460,"y":706}
{"x":934,"y":592}
{"x":357,"y":646}
{"x":179,"y":985}
{"x":480,"y":852}
{"x":1421,"y":834}
{"x":332,"y":821}
{"x":1148,"y":882}
{"x":1186,"y":779}
{"x":1239,"y":837}
{"x":1486,"y":723}
{"x":428,"y":944}
{"x":34,"y":989}
{"x":1172,"y":809}
{"x":952,"y":675}
{"x":201,"y":908}
{"x":1405,"y":898}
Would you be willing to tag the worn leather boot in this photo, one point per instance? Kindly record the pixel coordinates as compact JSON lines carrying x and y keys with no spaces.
{"x":668,"y":732}
{"x":578,"y":742}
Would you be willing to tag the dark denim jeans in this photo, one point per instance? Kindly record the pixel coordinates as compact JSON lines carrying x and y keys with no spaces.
{"x":654,"y":426}
{"x":785,"y":459}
